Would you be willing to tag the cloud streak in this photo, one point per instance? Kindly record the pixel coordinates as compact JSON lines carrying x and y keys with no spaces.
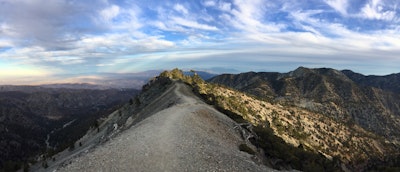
{"x":339,"y":5}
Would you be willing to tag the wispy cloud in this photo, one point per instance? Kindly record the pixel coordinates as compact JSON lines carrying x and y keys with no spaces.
{"x":192,"y":24}
{"x":209,"y":3}
{"x":339,"y":5}
{"x":377,"y":9}
{"x":249,"y":16}
{"x":180,"y":8}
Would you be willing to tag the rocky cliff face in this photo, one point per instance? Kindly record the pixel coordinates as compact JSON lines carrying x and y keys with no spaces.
{"x":330,"y":92}
{"x":36,"y":119}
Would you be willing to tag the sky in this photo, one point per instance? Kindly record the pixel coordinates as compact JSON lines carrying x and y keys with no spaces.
{"x":42,"y":38}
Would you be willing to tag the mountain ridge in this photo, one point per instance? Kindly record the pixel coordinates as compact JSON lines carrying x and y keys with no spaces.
{"x":209,"y":140}
{"x":324,"y":90}
{"x":389,"y":82}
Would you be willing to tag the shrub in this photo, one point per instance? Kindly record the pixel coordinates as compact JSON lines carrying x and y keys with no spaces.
{"x":243,"y":147}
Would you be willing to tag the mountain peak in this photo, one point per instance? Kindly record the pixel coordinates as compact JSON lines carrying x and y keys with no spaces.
{"x":328,"y":73}
{"x":300,"y":71}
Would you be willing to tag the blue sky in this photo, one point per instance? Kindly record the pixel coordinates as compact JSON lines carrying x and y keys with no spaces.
{"x":41,"y":38}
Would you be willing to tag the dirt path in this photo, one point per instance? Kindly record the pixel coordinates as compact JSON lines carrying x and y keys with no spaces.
{"x":187,"y":136}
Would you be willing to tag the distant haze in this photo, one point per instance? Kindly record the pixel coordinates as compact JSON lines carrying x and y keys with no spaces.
{"x":97,"y":81}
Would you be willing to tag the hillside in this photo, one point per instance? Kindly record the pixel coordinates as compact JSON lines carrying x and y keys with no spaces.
{"x":338,"y":116}
{"x":388,"y":83}
{"x":158,"y":128}
{"x":325,"y":91}
{"x":34,"y":120}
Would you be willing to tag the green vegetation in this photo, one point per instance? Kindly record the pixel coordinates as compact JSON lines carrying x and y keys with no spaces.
{"x":243,"y":147}
{"x":72,"y":146}
{"x":11,"y":166}
{"x":26,"y":167}
{"x":297,"y":157}
{"x":45,"y":165}
{"x":389,"y":164}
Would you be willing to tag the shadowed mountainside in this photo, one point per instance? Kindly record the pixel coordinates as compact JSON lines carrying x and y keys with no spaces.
{"x":34,"y":119}
{"x":388,"y":83}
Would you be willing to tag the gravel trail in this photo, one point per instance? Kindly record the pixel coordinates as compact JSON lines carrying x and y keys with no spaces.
{"x":186,"y":136}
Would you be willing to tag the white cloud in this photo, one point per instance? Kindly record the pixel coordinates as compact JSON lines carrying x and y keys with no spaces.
{"x":209,"y":3}
{"x":339,"y":5}
{"x":375,"y":9}
{"x":109,"y":13}
{"x":192,"y":24}
{"x":5,"y":44}
{"x":248,"y":16}
{"x":115,"y":18}
{"x":224,"y":6}
{"x":180,"y":8}
{"x":183,"y":21}
{"x":7,"y":30}
{"x":308,"y":22}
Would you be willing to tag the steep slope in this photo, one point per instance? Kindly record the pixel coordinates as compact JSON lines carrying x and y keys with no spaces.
{"x":34,"y":119}
{"x":172,"y":131}
{"x":326,"y":91}
{"x":388,"y":83}
{"x":318,"y":108}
